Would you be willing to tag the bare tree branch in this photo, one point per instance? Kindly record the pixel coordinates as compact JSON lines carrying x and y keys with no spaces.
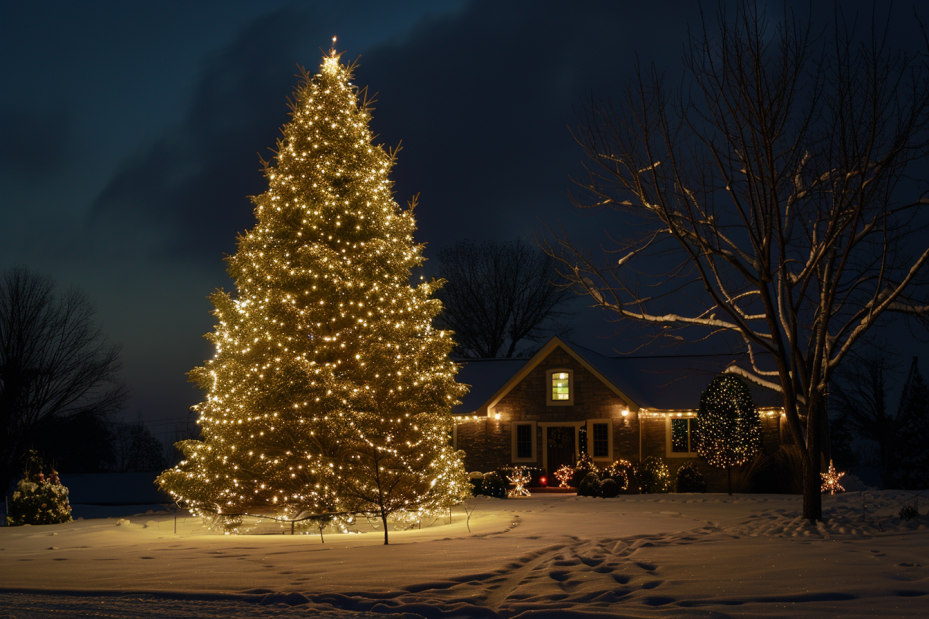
{"x":778,"y":176}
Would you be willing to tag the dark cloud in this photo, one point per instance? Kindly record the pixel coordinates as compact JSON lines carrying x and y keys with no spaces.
{"x":483,"y":103}
{"x":193,"y":183}
{"x":481,"y":100}
{"x":34,"y":140}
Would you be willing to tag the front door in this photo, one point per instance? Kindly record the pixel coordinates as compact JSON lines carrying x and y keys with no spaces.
{"x":561,"y":448}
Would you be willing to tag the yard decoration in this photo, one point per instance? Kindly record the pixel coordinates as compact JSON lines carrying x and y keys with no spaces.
{"x":831,"y":480}
{"x":330,"y":390}
{"x":564,"y":475}
{"x":519,"y":478}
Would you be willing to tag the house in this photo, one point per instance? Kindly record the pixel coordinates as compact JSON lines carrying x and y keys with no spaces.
{"x":567,"y":399}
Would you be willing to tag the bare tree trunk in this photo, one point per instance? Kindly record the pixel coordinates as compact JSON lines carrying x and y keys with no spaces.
{"x":729,"y":476}
{"x":812,"y":493}
{"x":384,"y":520}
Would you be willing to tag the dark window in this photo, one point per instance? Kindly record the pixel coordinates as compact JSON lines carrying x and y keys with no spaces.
{"x":601,"y":440}
{"x":524,"y":441}
{"x":681,"y":430}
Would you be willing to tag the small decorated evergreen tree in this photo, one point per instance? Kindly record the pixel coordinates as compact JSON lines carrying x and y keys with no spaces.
{"x":38,"y":498}
{"x":728,"y":426}
{"x":330,"y":391}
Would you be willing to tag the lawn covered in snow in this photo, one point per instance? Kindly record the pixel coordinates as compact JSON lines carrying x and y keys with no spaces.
{"x":542,"y":556}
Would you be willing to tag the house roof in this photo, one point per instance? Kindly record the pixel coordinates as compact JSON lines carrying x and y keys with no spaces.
{"x":654,"y":382}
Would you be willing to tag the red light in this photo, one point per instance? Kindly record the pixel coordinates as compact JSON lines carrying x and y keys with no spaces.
{"x":543,"y":481}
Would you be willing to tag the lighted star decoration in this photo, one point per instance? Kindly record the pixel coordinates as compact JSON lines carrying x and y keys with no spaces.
{"x":831,"y":480}
{"x":520,"y":478}
{"x":564,"y":475}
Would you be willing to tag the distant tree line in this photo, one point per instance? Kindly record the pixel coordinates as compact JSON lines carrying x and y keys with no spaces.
{"x":869,"y":428}
{"x":59,"y":386}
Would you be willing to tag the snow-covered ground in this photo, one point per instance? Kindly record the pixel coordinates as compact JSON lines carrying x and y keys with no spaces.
{"x":542,"y":556}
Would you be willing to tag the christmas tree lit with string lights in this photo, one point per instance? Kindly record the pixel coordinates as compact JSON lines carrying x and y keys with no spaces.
{"x":728,"y":426}
{"x":330,"y":391}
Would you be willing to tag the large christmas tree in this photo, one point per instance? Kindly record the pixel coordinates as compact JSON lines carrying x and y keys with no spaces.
{"x":330,"y":391}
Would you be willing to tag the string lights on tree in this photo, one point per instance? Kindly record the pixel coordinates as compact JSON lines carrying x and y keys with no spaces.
{"x":330,"y":391}
{"x":729,"y":429}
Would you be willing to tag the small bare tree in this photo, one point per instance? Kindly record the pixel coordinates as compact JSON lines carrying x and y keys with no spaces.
{"x":774,"y":202}
{"x":54,"y":364}
{"x":499,"y":297}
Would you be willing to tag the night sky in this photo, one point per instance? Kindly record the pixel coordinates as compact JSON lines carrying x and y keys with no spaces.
{"x":130,"y":137}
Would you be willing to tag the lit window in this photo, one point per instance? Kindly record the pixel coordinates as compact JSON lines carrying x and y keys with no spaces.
{"x":560,"y":386}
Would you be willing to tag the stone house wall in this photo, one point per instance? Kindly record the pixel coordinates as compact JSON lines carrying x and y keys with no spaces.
{"x":487,"y":443}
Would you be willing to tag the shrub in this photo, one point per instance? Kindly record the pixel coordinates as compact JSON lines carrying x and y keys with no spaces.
{"x":493,"y":485}
{"x":653,"y":476}
{"x":908,"y":512}
{"x":37,"y":499}
{"x":689,"y":479}
{"x":609,"y":488}
{"x":477,"y":482}
{"x":584,"y":465}
{"x":622,"y":472}
{"x":589,"y":486}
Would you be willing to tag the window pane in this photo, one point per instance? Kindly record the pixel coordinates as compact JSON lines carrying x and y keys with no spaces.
{"x":524,"y":441}
{"x":560,"y":389}
{"x":601,"y":440}
{"x":680,"y":435}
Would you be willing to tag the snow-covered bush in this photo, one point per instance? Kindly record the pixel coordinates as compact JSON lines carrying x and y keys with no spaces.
{"x":623,"y":473}
{"x":493,"y":485}
{"x":585,"y":464}
{"x":689,"y":479}
{"x":653,"y":476}
{"x":38,"y":500}
{"x":609,"y":488}
{"x":590,"y":485}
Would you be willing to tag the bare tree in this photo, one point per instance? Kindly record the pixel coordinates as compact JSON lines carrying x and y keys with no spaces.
{"x":773,"y":200}
{"x":136,"y":450}
{"x":54,"y":364}
{"x":499,"y":297}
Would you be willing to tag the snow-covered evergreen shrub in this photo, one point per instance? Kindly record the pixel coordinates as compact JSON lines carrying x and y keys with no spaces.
{"x":623,"y":473}
{"x":689,"y":479}
{"x":493,"y":485}
{"x":609,"y":488}
{"x":477,"y":482}
{"x":653,"y":476}
{"x":39,"y":501}
{"x":583,"y":466}
{"x":590,"y":485}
